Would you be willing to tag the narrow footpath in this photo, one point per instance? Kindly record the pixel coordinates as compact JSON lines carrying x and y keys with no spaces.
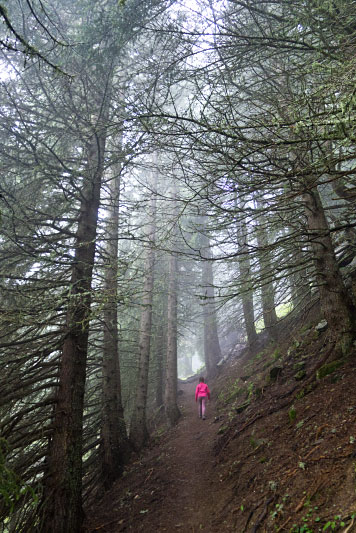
{"x":173,"y":486}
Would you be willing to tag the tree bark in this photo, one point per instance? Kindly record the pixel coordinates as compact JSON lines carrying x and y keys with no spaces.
{"x":170,"y":396}
{"x":300,"y":288}
{"x":212,"y":350}
{"x":335,"y":301}
{"x":160,"y":349}
{"x":171,"y":374}
{"x":138,"y":428}
{"x":62,"y":501}
{"x":247,"y":290}
{"x":115,"y":446}
{"x":266,"y":275}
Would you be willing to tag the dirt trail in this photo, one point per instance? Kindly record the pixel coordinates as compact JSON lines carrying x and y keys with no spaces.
{"x":173,"y":486}
{"x":190,"y":467}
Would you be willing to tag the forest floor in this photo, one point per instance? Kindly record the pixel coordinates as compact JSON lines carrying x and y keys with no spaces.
{"x":276,"y":453}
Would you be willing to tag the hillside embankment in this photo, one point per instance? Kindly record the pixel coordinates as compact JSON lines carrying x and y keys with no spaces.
{"x":276,"y":453}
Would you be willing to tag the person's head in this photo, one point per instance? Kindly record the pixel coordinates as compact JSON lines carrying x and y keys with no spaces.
{"x":201,"y":380}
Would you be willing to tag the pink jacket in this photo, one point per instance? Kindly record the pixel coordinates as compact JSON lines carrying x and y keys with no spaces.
{"x":202,"y":390}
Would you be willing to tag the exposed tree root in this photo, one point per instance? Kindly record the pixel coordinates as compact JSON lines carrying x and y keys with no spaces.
{"x":349,"y":527}
{"x":251,"y":515}
{"x":263,"y":514}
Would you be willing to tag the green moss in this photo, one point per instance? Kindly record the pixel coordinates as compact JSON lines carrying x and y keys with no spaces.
{"x":276,"y":354}
{"x":234,"y":393}
{"x":230,"y":394}
{"x":253,"y":442}
{"x":300,"y":375}
{"x":315,"y":335}
{"x":259,"y":356}
{"x":310,"y":387}
{"x":346,"y":344}
{"x":242,"y":407}
{"x":267,"y":365}
{"x":292,"y":414}
{"x":329,"y":368}
{"x":300,"y":395}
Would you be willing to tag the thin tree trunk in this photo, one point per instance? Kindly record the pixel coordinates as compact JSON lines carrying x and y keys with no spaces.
{"x":335,"y":302}
{"x":171,"y":374}
{"x":170,"y":396}
{"x":115,"y":447}
{"x":212,"y":350}
{"x":160,"y":349}
{"x":246,"y":292}
{"x":160,"y":331}
{"x":62,"y":503}
{"x":138,"y":428}
{"x":266,"y":274}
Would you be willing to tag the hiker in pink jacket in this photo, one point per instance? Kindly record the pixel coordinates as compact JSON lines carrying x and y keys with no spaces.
{"x":202,"y":392}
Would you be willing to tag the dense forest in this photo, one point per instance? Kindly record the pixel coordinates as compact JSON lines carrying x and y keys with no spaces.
{"x":177,"y":179}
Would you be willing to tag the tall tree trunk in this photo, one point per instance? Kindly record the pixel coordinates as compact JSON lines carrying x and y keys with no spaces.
{"x":160,"y":331}
{"x":171,"y":374}
{"x":170,"y":393}
{"x":212,"y":350}
{"x":266,"y":276}
{"x":115,"y":447}
{"x":160,"y":350}
{"x":335,"y":301}
{"x":300,"y":281}
{"x":350,"y":233}
{"x":62,"y":502}
{"x":138,"y":428}
{"x":246,"y":292}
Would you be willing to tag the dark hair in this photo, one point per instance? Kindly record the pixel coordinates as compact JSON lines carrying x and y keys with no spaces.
{"x":201,"y":380}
